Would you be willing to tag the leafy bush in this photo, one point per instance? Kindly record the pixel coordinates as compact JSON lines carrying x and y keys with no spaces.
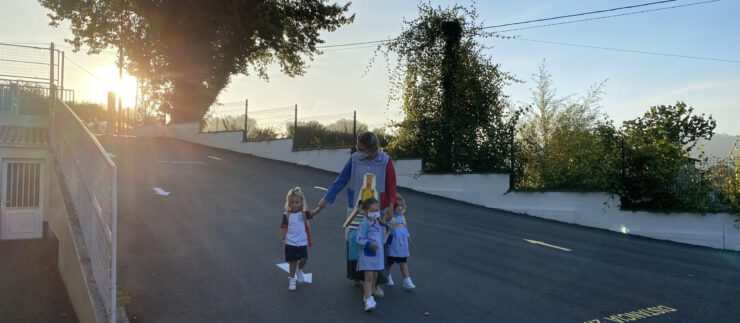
{"x":724,"y":177}
{"x":651,"y":171}
{"x":314,"y":135}
{"x":262,"y":134}
{"x":658,"y":173}
{"x":565,"y":143}
{"x":574,"y":160}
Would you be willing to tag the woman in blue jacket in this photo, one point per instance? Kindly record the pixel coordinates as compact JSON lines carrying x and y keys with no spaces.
{"x":368,"y":159}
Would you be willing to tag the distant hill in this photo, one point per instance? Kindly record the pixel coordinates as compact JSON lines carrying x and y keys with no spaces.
{"x":719,"y":146}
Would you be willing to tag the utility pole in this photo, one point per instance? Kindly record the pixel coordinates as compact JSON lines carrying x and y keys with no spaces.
{"x":109,"y":131}
{"x":61,"y":74}
{"x":354,"y":133}
{"x":52,"y":88}
{"x":246,"y":120}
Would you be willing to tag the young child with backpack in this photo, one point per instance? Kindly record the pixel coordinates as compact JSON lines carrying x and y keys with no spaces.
{"x":295,"y":236}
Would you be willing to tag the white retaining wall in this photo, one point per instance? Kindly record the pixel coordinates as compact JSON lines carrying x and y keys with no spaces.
{"x":597,"y":210}
{"x":281,"y":149}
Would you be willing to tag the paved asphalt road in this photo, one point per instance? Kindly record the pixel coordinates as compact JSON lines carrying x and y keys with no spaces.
{"x":208,"y":253}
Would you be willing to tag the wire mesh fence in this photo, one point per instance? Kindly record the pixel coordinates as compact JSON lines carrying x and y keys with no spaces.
{"x":269,"y":124}
{"x":30,"y":77}
{"x":30,"y":63}
{"x":326,"y":131}
{"x":711,"y":184}
{"x":224,"y":117}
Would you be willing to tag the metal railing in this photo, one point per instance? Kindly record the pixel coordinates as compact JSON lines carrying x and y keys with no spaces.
{"x":91,"y":177}
{"x":27,"y":98}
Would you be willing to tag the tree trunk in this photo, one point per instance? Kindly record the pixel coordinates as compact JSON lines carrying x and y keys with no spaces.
{"x":452,"y":32}
{"x":192,"y":96}
{"x":190,"y":100}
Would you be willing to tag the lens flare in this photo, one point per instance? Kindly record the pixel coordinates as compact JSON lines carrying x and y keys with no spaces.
{"x":624,"y":230}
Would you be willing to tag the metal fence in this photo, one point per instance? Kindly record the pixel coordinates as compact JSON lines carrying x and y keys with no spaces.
{"x":23,"y":98}
{"x":91,"y":177}
{"x":327,"y":131}
{"x":268,"y":124}
{"x":707,"y":181}
{"x":32,"y":63}
{"x":308,"y":132}
{"x":227,"y":116}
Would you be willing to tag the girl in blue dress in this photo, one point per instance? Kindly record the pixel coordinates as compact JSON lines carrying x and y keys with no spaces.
{"x":370,"y":236}
{"x":397,"y":240}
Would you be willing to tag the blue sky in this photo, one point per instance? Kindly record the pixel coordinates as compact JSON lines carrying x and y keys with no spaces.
{"x":335,"y":83}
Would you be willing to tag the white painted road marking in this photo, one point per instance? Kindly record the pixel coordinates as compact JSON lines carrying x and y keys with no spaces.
{"x":111,"y":155}
{"x":546,"y":245}
{"x":320,"y":188}
{"x":214,"y":157}
{"x":160,"y":191}
{"x":307,"y":277}
{"x":180,"y":162}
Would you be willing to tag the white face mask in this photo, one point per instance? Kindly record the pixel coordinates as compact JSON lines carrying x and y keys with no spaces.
{"x":373,"y":214}
{"x":362,"y":155}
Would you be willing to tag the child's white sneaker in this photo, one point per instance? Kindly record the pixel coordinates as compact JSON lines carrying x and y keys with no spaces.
{"x":299,"y":276}
{"x":370,"y":304}
{"x":407,"y":283}
{"x":390,"y":281}
{"x":292,"y":283}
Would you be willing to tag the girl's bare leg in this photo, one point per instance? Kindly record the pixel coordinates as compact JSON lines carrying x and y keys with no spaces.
{"x":368,"y":285}
{"x":292,"y":268}
{"x":404,"y":269}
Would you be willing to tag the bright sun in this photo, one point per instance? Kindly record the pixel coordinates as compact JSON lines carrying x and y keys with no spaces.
{"x":126,"y":88}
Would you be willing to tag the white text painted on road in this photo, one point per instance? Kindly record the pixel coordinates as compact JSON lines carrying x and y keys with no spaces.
{"x":320,"y":188}
{"x":636,"y":315}
{"x":160,"y":191}
{"x":307,"y":277}
{"x":546,"y":245}
{"x":214,"y":157}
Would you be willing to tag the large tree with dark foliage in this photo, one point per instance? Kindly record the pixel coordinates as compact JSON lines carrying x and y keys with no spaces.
{"x":186,"y":50}
{"x":456,"y":115}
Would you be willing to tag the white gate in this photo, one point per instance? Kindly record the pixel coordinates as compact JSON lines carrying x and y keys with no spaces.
{"x":21,"y":215}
